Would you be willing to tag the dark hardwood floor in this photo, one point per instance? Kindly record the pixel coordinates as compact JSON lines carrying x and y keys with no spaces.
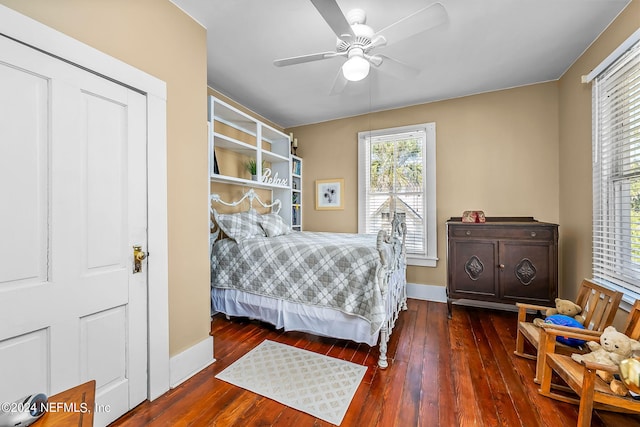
{"x":458,"y":372}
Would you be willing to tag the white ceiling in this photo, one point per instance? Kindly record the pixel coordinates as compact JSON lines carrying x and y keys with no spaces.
{"x":484,"y":46}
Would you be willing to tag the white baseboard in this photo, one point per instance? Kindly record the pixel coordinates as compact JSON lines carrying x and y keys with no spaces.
{"x":191,"y":361}
{"x":427,"y":292}
{"x":439,"y":294}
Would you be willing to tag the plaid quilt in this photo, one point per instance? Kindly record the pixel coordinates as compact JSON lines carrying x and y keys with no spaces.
{"x":336,"y":270}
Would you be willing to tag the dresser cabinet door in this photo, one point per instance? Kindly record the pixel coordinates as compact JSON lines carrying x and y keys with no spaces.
{"x":526,"y":271}
{"x":473,"y":273}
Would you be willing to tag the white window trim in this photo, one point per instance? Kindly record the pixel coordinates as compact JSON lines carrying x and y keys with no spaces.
{"x":613,"y":57}
{"x":431,"y":247}
{"x":629,"y":295}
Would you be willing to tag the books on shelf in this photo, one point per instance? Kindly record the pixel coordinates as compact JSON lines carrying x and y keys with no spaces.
{"x":296,"y":167}
{"x":295,"y":215}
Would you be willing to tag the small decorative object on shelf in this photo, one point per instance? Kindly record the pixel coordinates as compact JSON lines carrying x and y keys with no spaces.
{"x":268,"y":179}
{"x":252,"y":168}
{"x":216,"y":169}
{"x":295,"y":146}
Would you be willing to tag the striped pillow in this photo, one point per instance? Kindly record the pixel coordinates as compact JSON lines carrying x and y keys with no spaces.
{"x":239,"y":226}
{"x":273,"y":225}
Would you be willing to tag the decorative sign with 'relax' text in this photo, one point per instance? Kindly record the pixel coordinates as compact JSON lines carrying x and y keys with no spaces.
{"x":268,"y":179}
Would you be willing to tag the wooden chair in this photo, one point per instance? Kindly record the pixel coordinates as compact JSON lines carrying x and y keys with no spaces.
{"x":593,"y":392}
{"x":599,"y":307}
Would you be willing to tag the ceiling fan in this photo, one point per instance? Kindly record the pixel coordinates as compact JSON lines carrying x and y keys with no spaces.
{"x":357,"y":41}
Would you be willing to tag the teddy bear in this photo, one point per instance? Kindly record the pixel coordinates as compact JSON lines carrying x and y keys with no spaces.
{"x":564,"y":307}
{"x":612,"y":349}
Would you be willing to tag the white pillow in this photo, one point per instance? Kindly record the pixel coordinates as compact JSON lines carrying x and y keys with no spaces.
{"x":273,"y":225}
{"x":239,"y":226}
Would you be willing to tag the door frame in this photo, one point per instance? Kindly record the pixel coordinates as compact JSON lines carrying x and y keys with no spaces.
{"x":49,"y":41}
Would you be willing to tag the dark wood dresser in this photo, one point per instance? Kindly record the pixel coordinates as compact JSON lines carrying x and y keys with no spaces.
{"x":505,"y":260}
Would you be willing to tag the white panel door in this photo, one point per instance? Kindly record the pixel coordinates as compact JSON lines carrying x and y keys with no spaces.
{"x":72,"y":206}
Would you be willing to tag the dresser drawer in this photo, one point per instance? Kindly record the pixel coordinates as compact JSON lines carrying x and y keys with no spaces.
{"x":482,"y":231}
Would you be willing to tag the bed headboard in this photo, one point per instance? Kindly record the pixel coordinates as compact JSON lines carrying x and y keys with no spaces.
{"x":251,"y":196}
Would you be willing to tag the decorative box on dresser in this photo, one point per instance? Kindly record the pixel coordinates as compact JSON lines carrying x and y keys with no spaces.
{"x":504,"y":260}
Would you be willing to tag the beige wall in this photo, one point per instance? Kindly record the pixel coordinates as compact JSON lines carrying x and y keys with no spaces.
{"x":156,"y":37}
{"x":497,"y":152}
{"x":575,"y":151}
{"x":524,"y":151}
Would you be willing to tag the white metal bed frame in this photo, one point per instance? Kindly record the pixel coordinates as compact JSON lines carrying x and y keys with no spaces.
{"x":251,"y":196}
{"x":392,"y":275}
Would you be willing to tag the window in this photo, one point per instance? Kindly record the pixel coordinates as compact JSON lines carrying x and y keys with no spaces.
{"x":616,"y":173}
{"x":397,"y":174}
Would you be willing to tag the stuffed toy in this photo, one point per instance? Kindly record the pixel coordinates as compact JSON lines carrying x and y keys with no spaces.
{"x":564,"y":307}
{"x":562,"y":320}
{"x":613,"y":348}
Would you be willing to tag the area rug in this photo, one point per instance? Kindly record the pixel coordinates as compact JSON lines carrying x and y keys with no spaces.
{"x":319,"y":385}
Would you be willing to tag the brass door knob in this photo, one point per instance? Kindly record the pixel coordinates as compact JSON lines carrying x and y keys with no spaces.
{"x":138,"y":256}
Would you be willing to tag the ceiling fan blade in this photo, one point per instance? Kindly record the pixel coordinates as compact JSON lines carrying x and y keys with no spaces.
{"x":339,"y":83}
{"x":305,"y":58}
{"x":394,"y":67}
{"x":418,"y":22}
{"x":331,"y":13}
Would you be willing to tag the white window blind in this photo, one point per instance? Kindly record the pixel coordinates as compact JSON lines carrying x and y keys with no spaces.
{"x":397,"y":176}
{"x":616,"y":173}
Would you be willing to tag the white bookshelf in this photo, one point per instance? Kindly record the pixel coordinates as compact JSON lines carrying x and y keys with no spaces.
{"x":296,"y":193}
{"x":251,"y":139}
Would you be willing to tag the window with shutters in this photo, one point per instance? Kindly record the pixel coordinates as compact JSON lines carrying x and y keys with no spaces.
{"x":616,"y":174}
{"x":397,"y":177}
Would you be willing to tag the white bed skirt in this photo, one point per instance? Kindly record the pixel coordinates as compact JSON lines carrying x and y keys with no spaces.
{"x":292,"y":316}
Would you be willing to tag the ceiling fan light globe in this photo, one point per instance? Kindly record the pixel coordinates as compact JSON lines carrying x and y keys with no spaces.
{"x":355,"y":69}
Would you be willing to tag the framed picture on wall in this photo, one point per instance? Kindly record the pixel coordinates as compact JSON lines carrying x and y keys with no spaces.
{"x":329,"y":194}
